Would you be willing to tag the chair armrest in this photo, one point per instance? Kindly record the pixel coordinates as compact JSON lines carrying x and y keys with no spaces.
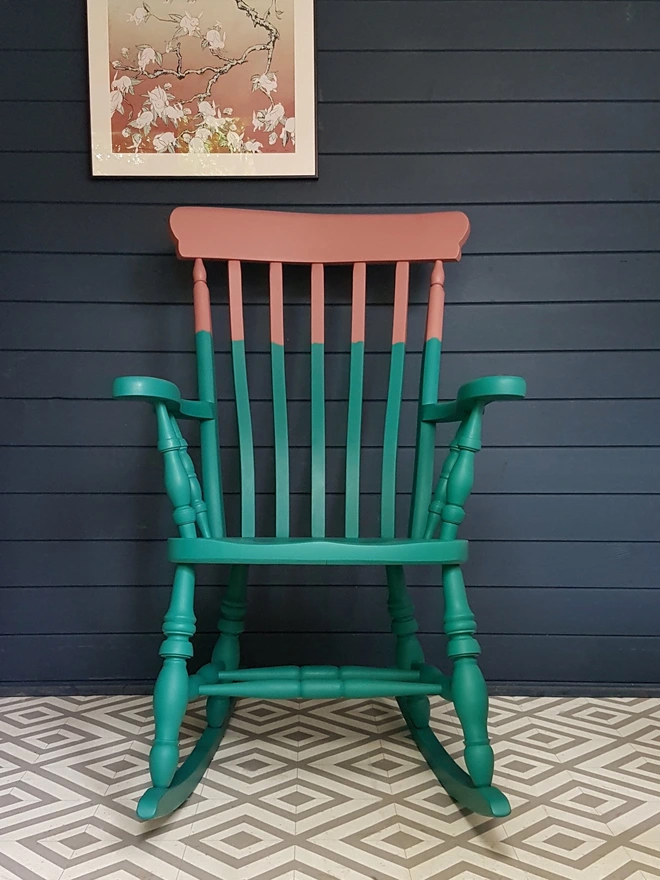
{"x":479,"y":391}
{"x":162,"y":391}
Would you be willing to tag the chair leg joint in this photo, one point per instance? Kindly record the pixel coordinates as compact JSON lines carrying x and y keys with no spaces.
{"x":463,"y":647}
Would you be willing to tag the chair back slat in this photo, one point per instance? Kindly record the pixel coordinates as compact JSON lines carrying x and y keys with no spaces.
{"x":318,"y":400}
{"x":280,"y":417}
{"x":208,"y":429}
{"x":355,"y":394}
{"x":244,"y":419}
{"x":394,"y":395}
{"x":430,"y":379}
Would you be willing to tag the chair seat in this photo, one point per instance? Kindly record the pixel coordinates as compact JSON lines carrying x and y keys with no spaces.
{"x":316,"y":551}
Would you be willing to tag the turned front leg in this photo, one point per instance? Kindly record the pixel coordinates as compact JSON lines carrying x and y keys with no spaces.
{"x":171,"y":691}
{"x":468,"y":686}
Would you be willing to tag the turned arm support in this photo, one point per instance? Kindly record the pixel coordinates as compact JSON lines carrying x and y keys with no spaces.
{"x":161,"y":391}
{"x":181,"y":483}
{"x":457,"y":475}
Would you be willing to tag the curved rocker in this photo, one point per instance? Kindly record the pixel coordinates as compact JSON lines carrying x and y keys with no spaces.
{"x":486,"y":800}
{"x":158,"y":802}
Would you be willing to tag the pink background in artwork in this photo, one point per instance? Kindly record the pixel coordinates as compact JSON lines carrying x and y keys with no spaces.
{"x":233,"y":89}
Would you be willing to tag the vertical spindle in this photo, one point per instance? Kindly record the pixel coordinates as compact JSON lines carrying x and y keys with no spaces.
{"x":244,"y":419}
{"x":208,"y":428}
{"x":393,"y":406}
{"x":280,"y":418}
{"x":318,"y":400}
{"x":355,"y":394}
{"x":429,"y":381}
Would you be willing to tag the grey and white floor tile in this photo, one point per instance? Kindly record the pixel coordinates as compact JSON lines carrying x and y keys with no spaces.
{"x":330,"y":790}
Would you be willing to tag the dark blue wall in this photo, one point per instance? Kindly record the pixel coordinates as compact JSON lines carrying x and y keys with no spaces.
{"x":540,"y":120}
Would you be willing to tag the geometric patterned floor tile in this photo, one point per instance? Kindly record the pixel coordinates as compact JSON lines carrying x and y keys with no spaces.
{"x":316,"y":790}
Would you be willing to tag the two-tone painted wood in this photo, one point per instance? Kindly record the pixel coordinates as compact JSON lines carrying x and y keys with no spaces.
{"x":236,"y":236}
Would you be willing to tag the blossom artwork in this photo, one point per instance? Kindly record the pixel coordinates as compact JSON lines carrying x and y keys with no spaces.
{"x":202,"y":87}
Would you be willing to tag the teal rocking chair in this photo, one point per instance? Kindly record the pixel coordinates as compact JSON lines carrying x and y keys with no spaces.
{"x":437,"y":505}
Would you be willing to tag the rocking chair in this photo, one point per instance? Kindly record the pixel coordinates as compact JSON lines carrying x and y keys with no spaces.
{"x":436,"y":510}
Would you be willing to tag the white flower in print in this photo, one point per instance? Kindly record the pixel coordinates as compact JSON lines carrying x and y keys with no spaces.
{"x":146,"y":57}
{"x":269,"y":119}
{"x":288,"y":132}
{"x":213,"y":122}
{"x":196,"y":145}
{"x":144,"y":121}
{"x":124,"y":52}
{"x":116,"y":102}
{"x":273,"y":117}
{"x":206,"y":108}
{"x":123,"y":84}
{"x":215,"y":40}
{"x":235,"y":141}
{"x":174,"y":113}
{"x":126,"y":133}
{"x":140,"y":15}
{"x":203,"y":134}
{"x":228,"y":111}
{"x":159,"y":100}
{"x":189,"y":25}
{"x":252,"y":147}
{"x":267,"y":83}
{"x":272,"y":138}
{"x":164,"y":143}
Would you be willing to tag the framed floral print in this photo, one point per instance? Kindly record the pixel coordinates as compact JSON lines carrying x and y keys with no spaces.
{"x":202,"y":87}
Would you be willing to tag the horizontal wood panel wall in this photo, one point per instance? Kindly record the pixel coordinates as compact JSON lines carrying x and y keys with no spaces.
{"x":542,"y":121}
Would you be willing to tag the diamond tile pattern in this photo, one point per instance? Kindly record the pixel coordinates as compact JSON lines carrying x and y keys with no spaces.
{"x":320,"y":790}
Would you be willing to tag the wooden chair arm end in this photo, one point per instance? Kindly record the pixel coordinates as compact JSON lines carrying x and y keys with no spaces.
{"x":491,"y":388}
{"x":161,"y":391}
{"x":479,"y":391}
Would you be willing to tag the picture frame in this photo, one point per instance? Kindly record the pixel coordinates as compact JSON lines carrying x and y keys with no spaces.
{"x":214,"y":88}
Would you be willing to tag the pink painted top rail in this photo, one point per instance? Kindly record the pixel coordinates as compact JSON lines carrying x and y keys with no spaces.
{"x":287,"y":237}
